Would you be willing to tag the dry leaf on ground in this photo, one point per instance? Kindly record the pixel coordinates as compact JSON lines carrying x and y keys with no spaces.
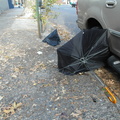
{"x":76,"y":114}
{"x":110,"y":79}
{"x":12,"y":109}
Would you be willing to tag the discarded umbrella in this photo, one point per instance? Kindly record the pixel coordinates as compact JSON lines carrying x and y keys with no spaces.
{"x":88,"y":50}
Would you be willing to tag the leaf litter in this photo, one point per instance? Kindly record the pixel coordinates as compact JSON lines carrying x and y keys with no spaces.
{"x":10,"y":110}
{"x":77,"y":113}
{"x":9,"y":52}
{"x":63,"y":33}
{"x":110,"y":79}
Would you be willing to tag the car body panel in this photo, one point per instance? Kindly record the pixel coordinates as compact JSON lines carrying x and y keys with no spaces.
{"x":106,"y":13}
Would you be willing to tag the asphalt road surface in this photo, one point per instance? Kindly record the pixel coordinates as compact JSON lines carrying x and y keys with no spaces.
{"x":67,"y":17}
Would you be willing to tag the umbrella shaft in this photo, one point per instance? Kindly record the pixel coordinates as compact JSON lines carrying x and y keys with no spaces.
{"x":93,"y":74}
{"x":108,"y":93}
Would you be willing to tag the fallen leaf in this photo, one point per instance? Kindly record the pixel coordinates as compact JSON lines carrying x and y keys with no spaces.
{"x":24,"y":96}
{"x":57,"y":99}
{"x":37,"y":66}
{"x":1,"y":97}
{"x":34,"y":84}
{"x":16,"y":105}
{"x":7,"y":111}
{"x":77,"y":114}
{"x":80,"y":118}
{"x":12,"y":108}
{"x":47,"y":85}
{"x":14,"y":76}
{"x":16,"y":69}
{"x":78,"y":111}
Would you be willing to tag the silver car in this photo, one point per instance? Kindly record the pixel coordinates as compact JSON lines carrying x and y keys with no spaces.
{"x":101,"y":14}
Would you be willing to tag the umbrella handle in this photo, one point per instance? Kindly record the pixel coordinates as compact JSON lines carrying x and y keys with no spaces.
{"x":111,"y":97}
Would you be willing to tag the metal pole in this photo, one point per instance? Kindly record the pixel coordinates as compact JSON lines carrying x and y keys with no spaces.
{"x":38,"y":19}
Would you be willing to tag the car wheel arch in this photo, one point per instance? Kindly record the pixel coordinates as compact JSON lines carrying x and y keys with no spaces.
{"x":92,"y":22}
{"x":93,"y":18}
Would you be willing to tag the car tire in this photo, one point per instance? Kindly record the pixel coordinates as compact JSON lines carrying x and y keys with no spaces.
{"x":114,"y":62}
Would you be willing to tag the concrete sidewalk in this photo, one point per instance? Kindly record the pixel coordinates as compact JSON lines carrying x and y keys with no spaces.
{"x":29,"y":77}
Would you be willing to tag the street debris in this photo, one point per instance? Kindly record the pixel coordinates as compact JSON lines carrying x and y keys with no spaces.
{"x":85,"y":52}
{"x":110,"y":79}
{"x":78,"y":114}
{"x":38,"y":65}
{"x":39,"y":52}
{"x":1,"y":97}
{"x":52,"y":39}
{"x":62,"y":32}
{"x":11,"y":109}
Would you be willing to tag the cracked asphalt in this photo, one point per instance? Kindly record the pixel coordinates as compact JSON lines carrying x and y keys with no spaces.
{"x":29,"y":75}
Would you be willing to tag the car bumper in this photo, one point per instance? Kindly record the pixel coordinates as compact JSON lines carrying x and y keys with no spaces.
{"x":114,"y":42}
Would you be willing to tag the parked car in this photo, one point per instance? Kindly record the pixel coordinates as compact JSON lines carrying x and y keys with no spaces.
{"x":101,"y":14}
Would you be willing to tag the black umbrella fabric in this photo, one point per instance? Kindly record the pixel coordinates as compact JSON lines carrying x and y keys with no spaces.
{"x":53,"y":38}
{"x":86,"y":51}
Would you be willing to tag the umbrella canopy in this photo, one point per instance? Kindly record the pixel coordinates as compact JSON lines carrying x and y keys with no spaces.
{"x":86,"y":51}
{"x":52,"y":39}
